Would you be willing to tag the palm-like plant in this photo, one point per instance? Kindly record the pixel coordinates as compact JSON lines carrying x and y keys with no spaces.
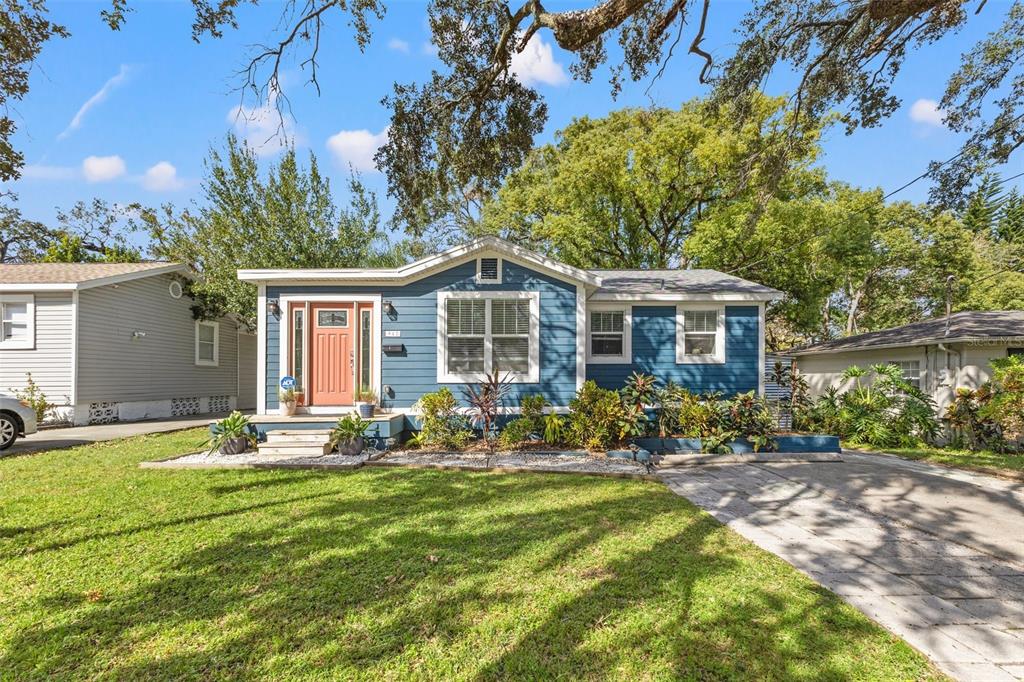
{"x":486,"y":400}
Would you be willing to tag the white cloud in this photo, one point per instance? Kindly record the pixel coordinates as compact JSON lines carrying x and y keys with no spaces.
{"x":398,"y":45}
{"x":264,"y":128}
{"x":536,"y":64}
{"x":162,"y":176}
{"x":927,"y":111}
{"x":429,"y":49}
{"x":356,"y":147}
{"x":40,"y":172}
{"x":97,"y":98}
{"x":102,"y":168}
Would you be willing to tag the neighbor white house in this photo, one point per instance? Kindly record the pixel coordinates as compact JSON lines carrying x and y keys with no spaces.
{"x":937,"y":355}
{"x":118,"y":342}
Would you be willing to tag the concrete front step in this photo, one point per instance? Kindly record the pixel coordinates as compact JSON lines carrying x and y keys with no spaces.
{"x":295,"y":449}
{"x":310,"y":436}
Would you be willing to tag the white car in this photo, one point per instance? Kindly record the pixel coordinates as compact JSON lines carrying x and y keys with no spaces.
{"x":16,"y":419}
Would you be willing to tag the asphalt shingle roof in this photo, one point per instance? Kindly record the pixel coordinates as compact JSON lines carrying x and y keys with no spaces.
{"x":69,"y":273}
{"x":677,"y":282}
{"x":971,"y":324}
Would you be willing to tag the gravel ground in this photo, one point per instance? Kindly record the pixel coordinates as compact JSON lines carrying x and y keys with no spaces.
{"x":203,"y":460}
{"x":515,"y":460}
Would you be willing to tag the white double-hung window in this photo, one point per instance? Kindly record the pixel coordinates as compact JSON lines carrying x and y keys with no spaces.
{"x":700,"y":334}
{"x":483,"y":332}
{"x":609,"y":333}
{"x":207,"y":343}
{"x":17,"y":321}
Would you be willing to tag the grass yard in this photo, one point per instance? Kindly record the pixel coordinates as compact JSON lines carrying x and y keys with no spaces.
{"x":108,"y":570}
{"x":983,"y":461}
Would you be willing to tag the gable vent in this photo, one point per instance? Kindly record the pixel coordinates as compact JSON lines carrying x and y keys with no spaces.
{"x":488,"y":270}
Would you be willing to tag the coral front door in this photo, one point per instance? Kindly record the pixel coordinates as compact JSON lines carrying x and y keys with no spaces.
{"x":333,"y":355}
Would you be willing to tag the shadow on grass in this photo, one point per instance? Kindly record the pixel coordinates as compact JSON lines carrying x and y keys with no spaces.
{"x":436,"y":574}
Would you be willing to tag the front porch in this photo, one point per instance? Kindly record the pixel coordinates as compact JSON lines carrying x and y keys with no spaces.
{"x":383,"y":427}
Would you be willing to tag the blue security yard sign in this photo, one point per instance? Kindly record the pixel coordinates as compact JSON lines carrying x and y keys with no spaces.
{"x":287,"y":383}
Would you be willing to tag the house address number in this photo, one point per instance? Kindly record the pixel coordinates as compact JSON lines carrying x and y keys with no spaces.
{"x":392,"y":333}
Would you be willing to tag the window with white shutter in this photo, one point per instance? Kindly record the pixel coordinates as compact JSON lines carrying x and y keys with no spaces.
{"x":480,"y":333}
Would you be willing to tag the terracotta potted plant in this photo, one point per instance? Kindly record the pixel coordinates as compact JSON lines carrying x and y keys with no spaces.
{"x":347,"y":435}
{"x":232,"y":435}
{"x":366,"y":400}
{"x":288,"y":399}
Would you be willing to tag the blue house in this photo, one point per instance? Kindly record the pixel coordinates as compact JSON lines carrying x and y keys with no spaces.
{"x":451,"y":318}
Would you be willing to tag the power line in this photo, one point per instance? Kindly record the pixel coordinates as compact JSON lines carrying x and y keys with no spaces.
{"x":899,"y":189}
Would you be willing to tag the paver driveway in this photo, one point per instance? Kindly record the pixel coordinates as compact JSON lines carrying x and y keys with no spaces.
{"x":935,"y":555}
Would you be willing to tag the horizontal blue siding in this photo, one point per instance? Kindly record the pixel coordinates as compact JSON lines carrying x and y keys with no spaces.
{"x":654,"y":352}
{"x":414,"y":373}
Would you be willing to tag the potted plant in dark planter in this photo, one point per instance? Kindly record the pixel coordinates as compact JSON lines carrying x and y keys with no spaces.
{"x":287,"y":399}
{"x":347,"y":435}
{"x":366,"y":399}
{"x":232,"y":435}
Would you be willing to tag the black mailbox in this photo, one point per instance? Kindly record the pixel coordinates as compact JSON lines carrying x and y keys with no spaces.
{"x":394,"y":348}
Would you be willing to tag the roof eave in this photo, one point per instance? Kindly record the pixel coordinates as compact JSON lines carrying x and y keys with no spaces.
{"x":812,"y":350}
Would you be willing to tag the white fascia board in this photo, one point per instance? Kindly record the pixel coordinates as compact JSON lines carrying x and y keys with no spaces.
{"x":50,"y":286}
{"x":422,"y":267}
{"x":986,"y":340}
{"x":725,"y":297}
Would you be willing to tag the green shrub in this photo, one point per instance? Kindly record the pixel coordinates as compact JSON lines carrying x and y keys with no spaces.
{"x":34,"y":397}
{"x":1006,"y":405}
{"x":881,"y":409}
{"x":554,"y":429}
{"x":598,"y":418}
{"x":749,"y":416}
{"x":441,"y":425}
{"x":532,"y":407}
{"x":682,"y":413}
{"x":516,"y":432}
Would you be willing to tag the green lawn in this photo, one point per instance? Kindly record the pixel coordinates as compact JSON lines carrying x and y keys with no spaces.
{"x":108,"y":570}
{"x":985,"y":460}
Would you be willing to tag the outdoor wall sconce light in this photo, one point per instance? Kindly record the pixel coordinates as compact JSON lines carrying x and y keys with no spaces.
{"x":389,"y":308}
{"x":138,"y":334}
{"x":273,"y":308}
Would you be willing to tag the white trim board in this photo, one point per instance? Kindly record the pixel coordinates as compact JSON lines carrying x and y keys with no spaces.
{"x":426,"y":266}
{"x":681,"y":297}
{"x":261,"y":349}
{"x":98,"y":282}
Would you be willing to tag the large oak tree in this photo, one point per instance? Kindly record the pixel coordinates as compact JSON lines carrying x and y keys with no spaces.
{"x":456,"y":135}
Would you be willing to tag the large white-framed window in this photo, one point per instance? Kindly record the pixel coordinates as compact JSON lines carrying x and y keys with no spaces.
{"x":482,"y":332}
{"x":17,"y":321}
{"x":609,"y":333}
{"x":207,"y":343}
{"x":700,"y":334}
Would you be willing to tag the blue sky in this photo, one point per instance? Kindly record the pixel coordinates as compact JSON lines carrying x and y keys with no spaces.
{"x":129,"y":116}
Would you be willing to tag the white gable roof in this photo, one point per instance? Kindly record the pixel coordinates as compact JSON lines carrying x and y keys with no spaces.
{"x":426,"y":266}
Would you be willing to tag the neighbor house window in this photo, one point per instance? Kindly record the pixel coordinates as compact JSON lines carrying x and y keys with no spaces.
{"x":479,"y":334}
{"x":17,"y":321}
{"x":700,"y":334}
{"x":207,"y":343}
{"x":911,"y":371}
{"x":609,"y":334}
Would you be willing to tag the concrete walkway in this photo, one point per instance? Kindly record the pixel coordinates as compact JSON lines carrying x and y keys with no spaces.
{"x":54,"y":439}
{"x":933,"y":555}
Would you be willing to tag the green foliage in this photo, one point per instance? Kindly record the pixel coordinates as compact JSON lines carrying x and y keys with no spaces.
{"x":718,"y":442}
{"x":968,"y":428}
{"x":628,"y":189}
{"x":881,"y":409}
{"x":596,"y":418}
{"x":640,"y":389}
{"x":349,"y":428}
{"x":749,"y":415}
{"x":235,"y":425}
{"x":554,"y":428}
{"x":441,"y":424}
{"x":531,"y":407}
{"x":517,"y":431}
{"x":251,"y":217}
{"x":287,"y":395}
{"x":366,"y":394}
{"x":34,"y":398}
{"x":682,"y":413}
{"x":1006,"y":405}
